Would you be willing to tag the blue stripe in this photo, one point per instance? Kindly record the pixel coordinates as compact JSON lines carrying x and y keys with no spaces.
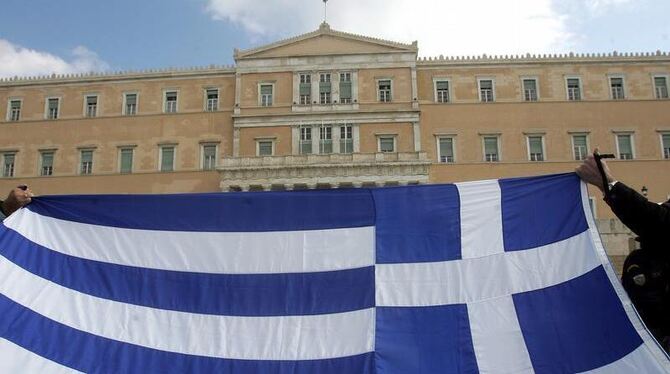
{"x":422,"y":340}
{"x":541,"y":210}
{"x":575,"y":326}
{"x":223,"y":294}
{"x":94,"y":354}
{"x":229,"y":212}
{"x":418,"y":224}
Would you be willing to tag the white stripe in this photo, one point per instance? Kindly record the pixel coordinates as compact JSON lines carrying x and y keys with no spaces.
{"x":481,"y":218}
{"x":640,"y":361}
{"x":16,"y":359}
{"x":470,"y":280}
{"x":204,"y":252}
{"x":497,"y":338}
{"x":253,"y":338}
{"x":652,"y":346}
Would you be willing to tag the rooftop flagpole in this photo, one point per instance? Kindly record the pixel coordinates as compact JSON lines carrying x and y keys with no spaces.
{"x":325,"y":10}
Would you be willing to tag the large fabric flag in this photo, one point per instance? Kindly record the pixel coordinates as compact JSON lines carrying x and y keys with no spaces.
{"x":499,"y":276}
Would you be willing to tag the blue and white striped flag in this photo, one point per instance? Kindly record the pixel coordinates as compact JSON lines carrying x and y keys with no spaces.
{"x":501,"y":276}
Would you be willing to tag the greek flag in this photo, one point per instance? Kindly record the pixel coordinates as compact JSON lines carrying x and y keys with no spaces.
{"x":497,"y":276}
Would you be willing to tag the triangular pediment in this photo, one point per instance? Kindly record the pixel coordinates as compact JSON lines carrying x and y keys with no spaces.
{"x":324,"y":42}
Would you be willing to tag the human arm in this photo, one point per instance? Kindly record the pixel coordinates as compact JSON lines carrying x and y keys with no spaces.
{"x":17,"y":198}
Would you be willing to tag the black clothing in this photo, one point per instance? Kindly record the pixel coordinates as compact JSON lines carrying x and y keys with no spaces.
{"x":646,"y":271}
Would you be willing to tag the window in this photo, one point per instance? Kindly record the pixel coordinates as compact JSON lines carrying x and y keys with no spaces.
{"x":126,"y":160}
{"x":661,"y":87}
{"x":53,"y":105}
{"x":491,"y":152}
{"x":212,"y":96}
{"x":47,"y":163}
{"x":14,"y":110}
{"x":387,"y":144}
{"x":442,"y":91}
{"x":170,"y":101}
{"x":130,"y":104}
{"x":326,"y":139}
{"x":265,"y":148}
{"x":445,"y":149}
{"x":8,"y":160}
{"x":305,"y":140}
{"x":384,"y":89}
{"x":305,"y":89}
{"x":536,"y":148}
{"x":346,"y":139}
{"x":167,"y":158}
{"x":324,"y":88}
{"x":91,"y":105}
{"x":616,"y":88}
{"x":624,"y":143}
{"x":345,"y":88}
{"x":574,"y":89}
{"x":665,"y":143}
{"x":579,"y":147}
{"x":86,"y":162}
{"x":266,"y":94}
{"x":486,"y":90}
{"x":208,"y":156}
{"x":529,"y":89}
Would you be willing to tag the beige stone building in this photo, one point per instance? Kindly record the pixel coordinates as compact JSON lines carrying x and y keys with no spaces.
{"x":331,"y":109}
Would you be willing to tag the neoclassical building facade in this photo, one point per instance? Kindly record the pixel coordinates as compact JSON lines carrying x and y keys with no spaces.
{"x":329,"y":109}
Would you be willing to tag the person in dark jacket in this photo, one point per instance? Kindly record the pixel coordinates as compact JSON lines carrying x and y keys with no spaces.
{"x":17,"y":198}
{"x":646,"y":271}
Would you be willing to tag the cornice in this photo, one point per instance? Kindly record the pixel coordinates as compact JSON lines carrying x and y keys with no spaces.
{"x":611,"y":57}
{"x":95,"y":77}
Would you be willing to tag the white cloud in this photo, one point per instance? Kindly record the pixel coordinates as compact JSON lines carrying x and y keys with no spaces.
{"x":19,"y":61}
{"x":441,"y":27}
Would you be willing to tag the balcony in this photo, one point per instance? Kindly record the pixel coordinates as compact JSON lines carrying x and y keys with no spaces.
{"x":323,"y":171}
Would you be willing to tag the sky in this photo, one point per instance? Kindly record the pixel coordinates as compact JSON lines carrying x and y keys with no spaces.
{"x":40,"y":37}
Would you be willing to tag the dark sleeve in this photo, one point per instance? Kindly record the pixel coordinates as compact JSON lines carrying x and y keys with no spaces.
{"x":2,"y":212}
{"x":644,"y":218}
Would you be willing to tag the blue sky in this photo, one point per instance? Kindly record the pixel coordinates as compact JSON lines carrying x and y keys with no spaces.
{"x":44,"y":36}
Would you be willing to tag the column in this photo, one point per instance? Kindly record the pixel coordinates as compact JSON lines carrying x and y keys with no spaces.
{"x":416,"y":128}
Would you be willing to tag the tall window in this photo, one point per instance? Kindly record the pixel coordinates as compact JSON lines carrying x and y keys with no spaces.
{"x":326,"y":139}
{"x":491,"y":152}
{"x":47,"y":163}
{"x":91,"y":109}
{"x":616,"y":87}
{"x":170,"y":101}
{"x":386,"y":144}
{"x":661,"y":87}
{"x":8,"y":160}
{"x":305,"y":140}
{"x":625,"y":146}
{"x":212,"y":104}
{"x":167,"y":158}
{"x":265,"y":148}
{"x":384,"y":89}
{"x":574,"y":89}
{"x":86,"y":163}
{"x":536,"y":148}
{"x":14,"y":110}
{"x":665,"y":141}
{"x":442,"y":91}
{"x":305,"y":89}
{"x":445,"y":149}
{"x":266,"y":94}
{"x":53,"y":105}
{"x":580,"y":147}
{"x":486,"y":90}
{"x":324,"y":88}
{"x":130,"y":104}
{"x":126,"y":160}
{"x":345,"y":88}
{"x":346,"y":139}
{"x":209,"y":156}
{"x":530,"y":89}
